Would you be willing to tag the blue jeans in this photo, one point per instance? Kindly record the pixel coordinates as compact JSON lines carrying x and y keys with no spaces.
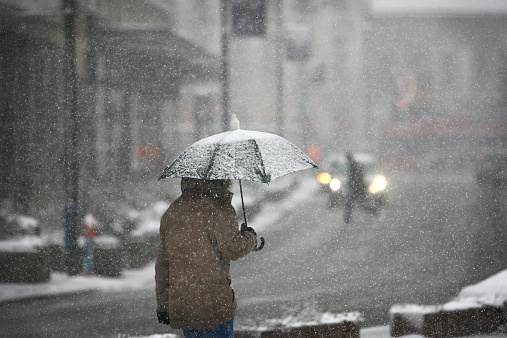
{"x":226,"y":330}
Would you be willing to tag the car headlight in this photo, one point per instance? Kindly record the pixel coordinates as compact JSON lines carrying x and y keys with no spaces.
{"x":335,"y":184}
{"x":324,"y":178}
{"x":378,"y":184}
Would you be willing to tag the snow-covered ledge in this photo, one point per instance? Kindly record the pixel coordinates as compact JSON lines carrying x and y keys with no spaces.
{"x":476,"y":309}
{"x":26,"y":244}
{"x":321,"y":325}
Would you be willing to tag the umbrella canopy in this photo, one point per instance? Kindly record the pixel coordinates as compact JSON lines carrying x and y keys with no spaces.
{"x":241,"y":155}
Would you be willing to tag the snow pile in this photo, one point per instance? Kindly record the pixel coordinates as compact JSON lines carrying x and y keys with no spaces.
{"x":26,"y":244}
{"x":271,"y":213}
{"x":492,"y":291}
{"x":61,"y":283}
{"x":19,"y":233}
{"x":166,"y":335}
{"x":324,"y":318}
{"x":413,"y":313}
{"x":308,"y":317}
{"x":102,"y":241}
{"x":26,"y":223}
{"x":489,"y":292}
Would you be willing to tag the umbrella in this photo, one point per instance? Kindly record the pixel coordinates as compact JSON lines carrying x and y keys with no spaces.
{"x":239,"y":155}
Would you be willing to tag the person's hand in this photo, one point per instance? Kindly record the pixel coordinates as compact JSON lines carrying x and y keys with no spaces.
{"x":247,"y":228}
{"x":163,"y":317}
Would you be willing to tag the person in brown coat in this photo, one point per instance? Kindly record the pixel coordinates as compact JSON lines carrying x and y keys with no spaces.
{"x":199,"y":237}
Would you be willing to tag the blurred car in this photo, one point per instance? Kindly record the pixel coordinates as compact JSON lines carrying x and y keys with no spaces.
{"x":333,"y":179}
{"x":492,"y":167}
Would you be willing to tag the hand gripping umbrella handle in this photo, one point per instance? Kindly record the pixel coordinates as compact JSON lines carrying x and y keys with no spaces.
{"x":244,"y":216}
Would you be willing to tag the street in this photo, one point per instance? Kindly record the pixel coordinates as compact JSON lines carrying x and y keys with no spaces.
{"x":428,"y":244}
{"x":425,"y":247}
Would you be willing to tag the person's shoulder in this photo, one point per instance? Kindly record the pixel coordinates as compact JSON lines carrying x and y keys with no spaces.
{"x":221,"y":204}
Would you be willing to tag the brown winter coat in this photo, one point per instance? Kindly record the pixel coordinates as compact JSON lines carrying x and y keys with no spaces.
{"x":199,"y":237}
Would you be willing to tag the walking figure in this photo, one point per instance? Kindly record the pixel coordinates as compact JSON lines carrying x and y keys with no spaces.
{"x":356,"y":190}
{"x":89,"y":233}
{"x":199,"y":238}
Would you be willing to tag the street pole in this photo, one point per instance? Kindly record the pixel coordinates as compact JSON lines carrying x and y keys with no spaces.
{"x":279,"y":50}
{"x":225,"y":12}
{"x":358,"y":106}
{"x":71,"y":223}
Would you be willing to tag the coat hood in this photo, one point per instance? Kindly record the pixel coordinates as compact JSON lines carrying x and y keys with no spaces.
{"x":194,"y":183}
{"x":216,"y":189}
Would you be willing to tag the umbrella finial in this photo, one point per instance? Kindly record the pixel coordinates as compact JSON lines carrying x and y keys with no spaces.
{"x":234,"y":124}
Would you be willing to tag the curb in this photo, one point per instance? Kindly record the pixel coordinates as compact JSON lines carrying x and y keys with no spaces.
{"x":453,"y":323}
{"x":338,"y":330}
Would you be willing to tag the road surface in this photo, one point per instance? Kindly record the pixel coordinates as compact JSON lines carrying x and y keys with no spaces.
{"x":429,"y":243}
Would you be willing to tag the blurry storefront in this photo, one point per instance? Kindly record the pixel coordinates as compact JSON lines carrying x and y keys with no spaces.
{"x":130,"y":76}
{"x":136,"y":76}
{"x":435,"y":82}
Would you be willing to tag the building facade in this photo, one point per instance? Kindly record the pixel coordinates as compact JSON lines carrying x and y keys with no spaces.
{"x":335,"y":73}
{"x":132,"y":71}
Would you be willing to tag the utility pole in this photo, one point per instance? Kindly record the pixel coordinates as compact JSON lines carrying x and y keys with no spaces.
{"x":71,"y":165}
{"x":358,"y":106}
{"x":225,"y":13}
{"x":279,"y":50}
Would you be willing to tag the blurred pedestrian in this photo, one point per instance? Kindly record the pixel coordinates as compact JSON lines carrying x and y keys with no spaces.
{"x":198,"y":239}
{"x":90,"y":225}
{"x":356,"y":189}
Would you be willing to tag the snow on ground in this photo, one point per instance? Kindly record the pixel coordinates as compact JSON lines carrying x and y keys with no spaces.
{"x":167,"y":335}
{"x":23,"y":244}
{"x":271,"y":213}
{"x":371,"y":332}
{"x":61,"y":283}
{"x":491,"y":290}
{"x":384,"y":332}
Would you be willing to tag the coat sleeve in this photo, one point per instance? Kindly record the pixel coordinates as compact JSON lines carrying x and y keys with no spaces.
{"x":162,"y":272}
{"x":232,"y":243}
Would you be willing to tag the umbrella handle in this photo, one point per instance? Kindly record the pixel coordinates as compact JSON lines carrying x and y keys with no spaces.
{"x":244,"y":216}
{"x":260,"y":246}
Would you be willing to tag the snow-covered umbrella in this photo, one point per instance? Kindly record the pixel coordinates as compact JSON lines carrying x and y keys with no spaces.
{"x":239,"y":155}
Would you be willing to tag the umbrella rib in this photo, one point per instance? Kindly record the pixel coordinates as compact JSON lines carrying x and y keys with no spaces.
{"x":212,"y":159}
{"x":211,"y":162}
{"x":265,"y":178}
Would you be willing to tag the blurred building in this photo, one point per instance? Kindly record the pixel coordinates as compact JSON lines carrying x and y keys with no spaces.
{"x":134,"y":70}
{"x":354,"y":72}
{"x":339,"y":74}
{"x":436,"y":81}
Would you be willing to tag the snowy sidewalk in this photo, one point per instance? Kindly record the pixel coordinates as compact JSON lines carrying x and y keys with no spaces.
{"x":143,"y":279}
{"x":373,"y":332}
{"x":60,"y":283}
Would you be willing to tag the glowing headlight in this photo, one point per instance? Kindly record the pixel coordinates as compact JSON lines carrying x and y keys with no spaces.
{"x":379,"y":184}
{"x":324,"y":178}
{"x":335,"y":184}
